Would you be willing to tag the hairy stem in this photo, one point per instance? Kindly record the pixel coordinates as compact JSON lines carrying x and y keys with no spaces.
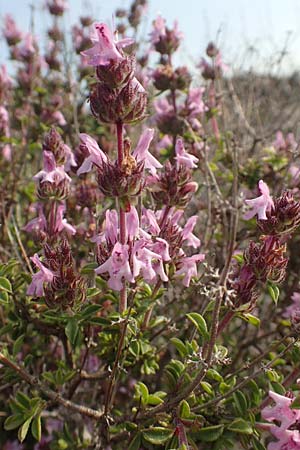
{"x":122,"y":220}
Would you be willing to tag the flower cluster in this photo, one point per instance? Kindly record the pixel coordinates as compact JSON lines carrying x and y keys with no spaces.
{"x":286,"y":429}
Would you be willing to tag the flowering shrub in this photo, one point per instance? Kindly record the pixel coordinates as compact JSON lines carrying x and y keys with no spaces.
{"x":149,"y":291}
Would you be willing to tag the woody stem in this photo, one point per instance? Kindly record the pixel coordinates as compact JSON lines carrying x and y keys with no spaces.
{"x":122,"y":221}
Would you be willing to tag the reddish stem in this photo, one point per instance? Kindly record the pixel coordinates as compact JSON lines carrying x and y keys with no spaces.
{"x":122,"y":220}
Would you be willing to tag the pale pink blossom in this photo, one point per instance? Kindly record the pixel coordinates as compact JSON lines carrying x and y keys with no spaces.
{"x":11,"y":32}
{"x":37,"y":224}
{"x":61,"y":224}
{"x":195,"y":102}
{"x":187,"y":232}
{"x":295,"y":306}
{"x":285,"y":143}
{"x":159,"y":30}
{"x":51,"y":172}
{"x":118,"y":267}
{"x":96,"y":155}
{"x":286,"y":432}
{"x":183,"y":158}
{"x":163,"y":143}
{"x":147,"y":262}
{"x":70,"y":158}
{"x":189,"y":268}
{"x":105,"y":48}
{"x":260,"y":205}
{"x":59,"y":118}
{"x":141,"y":152}
{"x":44,"y":275}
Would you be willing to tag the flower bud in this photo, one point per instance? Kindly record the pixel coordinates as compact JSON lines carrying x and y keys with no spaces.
{"x":54,"y":143}
{"x":211,"y":50}
{"x":57,"y":190}
{"x":122,"y":182}
{"x":118,"y":72}
{"x":283,"y":218}
{"x":126,"y":105}
{"x":174,"y":186}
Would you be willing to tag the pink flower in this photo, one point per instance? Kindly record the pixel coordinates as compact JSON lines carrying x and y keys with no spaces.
{"x":37,"y":224}
{"x":159,"y":30}
{"x":11,"y":33}
{"x":62,"y":224}
{"x":195,"y":103}
{"x":295,"y":306}
{"x":189,"y":268}
{"x":70,"y":159}
{"x":261,"y":204}
{"x":105,"y":47}
{"x":141,"y":152}
{"x":5,"y":81}
{"x":147,"y":262}
{"x":59,"y":118}
{"x":287,"y":143}
{"x":287,"y":433}
{"x":187,"y":232}
{"x":183,"y":158}
{"x":118,"y":267}
{"x":51,"y":172}
{"x":36,"y":288}
{"x":96,"y":155}
{"x":165,"y":142}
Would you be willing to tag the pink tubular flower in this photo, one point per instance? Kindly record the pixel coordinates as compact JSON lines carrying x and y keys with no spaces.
{"x":36,"y":288}
{"x":187,"y":232}
{"x":51,"y":172}
{"x":96,"y":155}
{"x":11,"y":33}
{"x":295,"y":306}
{"x":287,"y":433}
{"x":287,"y":143}
{"x":62,"y":224}
{"x":118,"y":267}
{"x":141,"y":152}
{"x":147,"y":262}
{"x":195,"y":102}
{"x":105,"y":47}
{"x":261,"y":204}
{"x":38,"y":223}
{"x":159,"y":30}
{"x":189,"y":268}
{"x":183,"y":158}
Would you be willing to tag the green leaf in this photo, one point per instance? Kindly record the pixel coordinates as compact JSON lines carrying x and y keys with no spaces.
{"x":184,"y":410}
{"x":72,"y":330}
{"x":92,"y":292}
{"x":36,"y":428}
{"x":4,"y":297}
{"x":157,"y":435}
{"x":199,"y":323}
{"x":250,"y":319}
{"x":240,"y":426}
{"x":13,"y":422}
{"x":18,"y":344}
{"x":89,"y":268}
{"x":212,"y":374}
{"x":210,"y":434}
{"x":23,"y":430}
{"x":179,"y":346}
{"x":274,"y":292}
{"x":135,"y":443}
{"x":206,"y":387}
{"x":240,"y":402}
{"x":154,"y":400}
{"x":142,"y":391}
{"x":5,"y":285}
{"x":296,"y":403}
